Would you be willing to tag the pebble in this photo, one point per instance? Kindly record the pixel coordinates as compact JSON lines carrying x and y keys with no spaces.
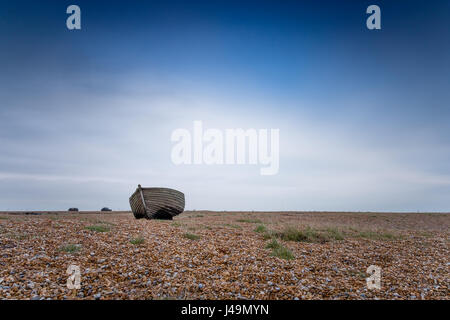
{"x":249,"y":270}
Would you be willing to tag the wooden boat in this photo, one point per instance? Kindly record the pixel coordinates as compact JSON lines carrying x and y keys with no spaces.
{"x":156,"y":203}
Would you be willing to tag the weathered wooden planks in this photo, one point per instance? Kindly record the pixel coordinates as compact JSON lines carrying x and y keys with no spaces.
{"x":156,"y":203}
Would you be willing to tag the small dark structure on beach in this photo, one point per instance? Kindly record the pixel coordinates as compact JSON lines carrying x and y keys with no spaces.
{"x":156,"y":203}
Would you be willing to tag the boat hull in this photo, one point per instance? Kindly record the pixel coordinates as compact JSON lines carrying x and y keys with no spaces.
{"x":157,"y":203}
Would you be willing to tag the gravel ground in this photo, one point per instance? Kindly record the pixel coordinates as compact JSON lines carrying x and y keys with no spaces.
{"x":221,"y":255}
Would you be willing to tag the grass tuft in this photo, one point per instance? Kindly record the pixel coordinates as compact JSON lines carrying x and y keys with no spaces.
{"x":101,"y":222}
{"x":249,"y":220}
{"x":335,"y":234}
{"x":269,"y":234}
{"x":274,"y":244}
{"x":137,"y":241}
{"x":71,"y":248}
{"x":306,"y":235}
{"x":191,"y":236}
{"x":323,"y":235}
{"x":261,"y":229}
{"x":98,"y":228}
{"x":234,"y":226}
{"x":280,"y":251}
{"x":283,"y":253}
{"x":18,"y":236}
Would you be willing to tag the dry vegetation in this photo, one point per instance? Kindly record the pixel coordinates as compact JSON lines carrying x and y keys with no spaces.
{"x":225,"y":255}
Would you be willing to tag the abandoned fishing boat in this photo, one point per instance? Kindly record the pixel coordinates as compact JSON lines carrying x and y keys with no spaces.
{"x":156,"y":203}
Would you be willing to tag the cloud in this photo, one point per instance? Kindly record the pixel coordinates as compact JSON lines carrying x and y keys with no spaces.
{"x":124,"y":139}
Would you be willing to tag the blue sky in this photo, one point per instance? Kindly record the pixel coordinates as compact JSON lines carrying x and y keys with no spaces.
{"x":363,"y":115}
